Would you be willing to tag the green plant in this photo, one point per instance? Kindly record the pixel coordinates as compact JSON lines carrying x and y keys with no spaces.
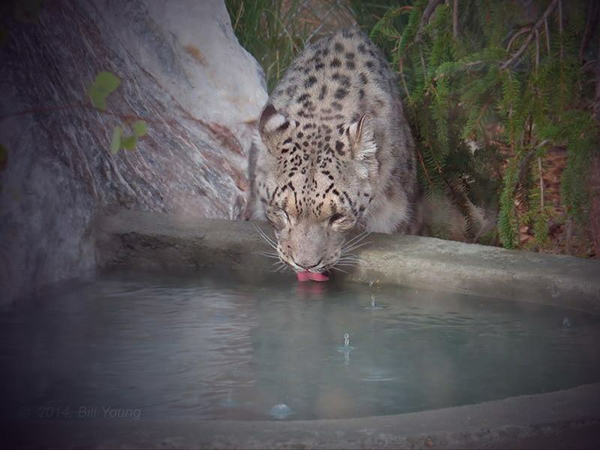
{"x":474,"y":74}
{"x":272,"y":31}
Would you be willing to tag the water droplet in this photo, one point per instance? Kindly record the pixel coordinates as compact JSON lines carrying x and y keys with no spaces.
{"x":281,"y":411}
{"x":374,"y":305}
{"x":346,"y":348}
{"x":228,"y":402}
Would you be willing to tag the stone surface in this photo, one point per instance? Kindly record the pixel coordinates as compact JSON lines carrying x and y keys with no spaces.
{"x":563,"y":419}
{"x":157,"y":241}
{"x":181,"y":70}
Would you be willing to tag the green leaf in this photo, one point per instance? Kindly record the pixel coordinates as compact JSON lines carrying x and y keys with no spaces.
{"x":115,"y":143}
{"x":128,"y":142}
{"x":140,"y":128}
{"x":104,"y":84}
{"x":107,"y":81}
{"x":98,"y":99}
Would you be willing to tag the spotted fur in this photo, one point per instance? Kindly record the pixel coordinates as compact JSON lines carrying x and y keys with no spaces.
{"x":333,"y":152}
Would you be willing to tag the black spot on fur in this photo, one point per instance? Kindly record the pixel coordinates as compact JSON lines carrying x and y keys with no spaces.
{"x":303,"y":98}
{"x":363,"y":78}
{"x":342,"y":79}
{"x":323,"y":92}
{"x":319,"y":65}
{"x":349,"y":55}
{"x":284,"y":126}
{"x":341,"y":93}
{"x":362,"y":48}
{"x":310,"y":81}
{"x":339,"y":147}
{"x":287,"y":141}
{"x":361,"y":94}
{"x":369,"y":64}
{"x":337,"y":106}
{"x":350,"y":65}
{"x":338,"y":47}
{"x":335,"y":62}
{"x":300,"y":135}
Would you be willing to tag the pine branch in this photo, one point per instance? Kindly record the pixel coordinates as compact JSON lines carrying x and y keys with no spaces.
{"x":431,"y":6}
{"x":541,"y":185}
{"x":539,"y":23}
{"x":516,"y":35}
{"x":455,"y":20}
{"x":590,"y":25}
{"x":596,"y":104}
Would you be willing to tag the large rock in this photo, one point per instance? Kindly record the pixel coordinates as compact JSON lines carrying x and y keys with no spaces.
{"x":182,"y":71}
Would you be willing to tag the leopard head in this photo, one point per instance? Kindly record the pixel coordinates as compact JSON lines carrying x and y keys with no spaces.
{"x":315,"y":182}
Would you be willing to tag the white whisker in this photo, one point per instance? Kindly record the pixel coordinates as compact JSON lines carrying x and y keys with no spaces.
{"x":359,"y":237}
{"x":269,"y":255}
{"x":355,"y":246}
{"x":280,"y":268}
{"x":267,"y":239}
{"x":350,"y":258}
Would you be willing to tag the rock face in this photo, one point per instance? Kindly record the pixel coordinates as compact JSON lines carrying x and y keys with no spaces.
{"x":182,"y":71}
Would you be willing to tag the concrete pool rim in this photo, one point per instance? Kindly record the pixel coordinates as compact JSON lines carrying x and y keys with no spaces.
{"x":155,"y":241}
{"x":493,"y":424}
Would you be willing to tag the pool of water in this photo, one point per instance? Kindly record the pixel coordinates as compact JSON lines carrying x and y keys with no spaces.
{"x":218,"y":347}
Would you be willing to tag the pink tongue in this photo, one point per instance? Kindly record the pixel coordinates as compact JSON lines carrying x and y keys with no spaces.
{"x":308,"y":276}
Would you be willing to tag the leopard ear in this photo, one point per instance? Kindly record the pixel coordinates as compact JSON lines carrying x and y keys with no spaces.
{"x":272,"y":124}
{"x":362,"y":139}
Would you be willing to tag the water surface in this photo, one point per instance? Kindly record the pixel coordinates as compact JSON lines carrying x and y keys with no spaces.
{"x":216,"y":347}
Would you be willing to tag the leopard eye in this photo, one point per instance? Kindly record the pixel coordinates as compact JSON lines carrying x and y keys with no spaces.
{"x":278,"y":218}
{"x":283,"y":213}
{"x":335,"y":218}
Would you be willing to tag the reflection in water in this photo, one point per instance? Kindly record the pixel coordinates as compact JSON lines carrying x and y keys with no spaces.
{"x":213,"y":347}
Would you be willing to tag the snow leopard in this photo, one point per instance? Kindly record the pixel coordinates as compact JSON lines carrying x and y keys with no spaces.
{"x":333,"y":154}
